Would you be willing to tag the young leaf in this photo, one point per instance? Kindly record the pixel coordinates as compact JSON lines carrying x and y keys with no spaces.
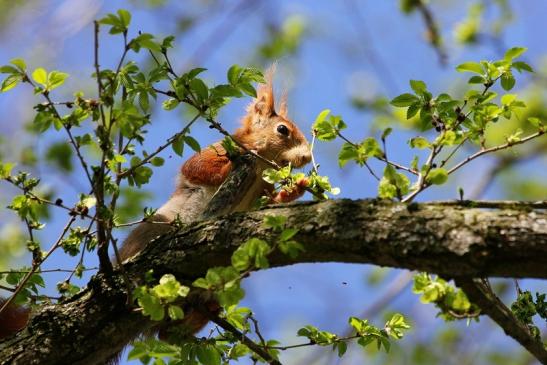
{"x":470,"y":67}
{"x":514,"y":53}
{"x":404,"y":100}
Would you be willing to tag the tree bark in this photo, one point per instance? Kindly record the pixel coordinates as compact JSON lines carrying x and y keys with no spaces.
{"x":447,"y":239}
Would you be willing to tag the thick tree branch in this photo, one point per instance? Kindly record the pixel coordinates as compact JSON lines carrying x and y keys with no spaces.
{"x":450,"y":240}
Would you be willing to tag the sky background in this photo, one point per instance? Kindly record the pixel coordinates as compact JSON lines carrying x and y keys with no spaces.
{"x":366,"y":51}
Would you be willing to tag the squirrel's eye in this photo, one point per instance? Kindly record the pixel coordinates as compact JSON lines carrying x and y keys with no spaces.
{"x":283,"y":129}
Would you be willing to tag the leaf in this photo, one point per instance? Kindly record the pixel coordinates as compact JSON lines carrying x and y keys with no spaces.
{"x":233,"y":74}
{"x":476,"y":80}
{"x":192,"y":142}
{"x":56,"y":79}
{"x":507,"y":81}
{"x":125,"y":17}
{"x":418,"y":86}
{"x":347,"y":153}
{"x":419,"y":142}
{"x":386,"y":133}
{"x":178,"y":145}
{"x":522,"y":66}
{"x":40,"y":76}
{"x":10,"y":82}
{"x":208,"y":355}
{"x":200,"y":88}
{"x":536,"y":122}
{"x":8,"y":70}
{"x":413,"y":110}
{"x":175,"y":312}
{"x":508,"y":99}
{"x":170,"y":104}
{"x":404,"y":100}
{"x":470,"y":67}
{"x":248,"y":89}
{"x":514,"y":53}
{"x":437,"y":176}
{"x":157,"y":161}
{"x":19,"y":63}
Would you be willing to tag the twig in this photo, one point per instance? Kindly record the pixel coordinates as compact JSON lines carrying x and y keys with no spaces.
{"x":480,"y":293}
{"x":359,"y":23}
{"x":227,"y":326}
{"x":45,"y":271}
{"x":433,"y":34}
{"x":494,"y":149}
{"x":356,"y":146}
{"x":169,"y":141}
{"x":35,"y":266}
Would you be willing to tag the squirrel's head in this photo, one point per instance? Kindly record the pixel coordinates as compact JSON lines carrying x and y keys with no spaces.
{"x":272,"y":134}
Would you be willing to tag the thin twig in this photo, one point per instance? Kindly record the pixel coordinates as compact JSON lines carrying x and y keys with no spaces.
{"x":169,"y":141}
{"x":494,"y":149}
{"x":35,"y":266}
{"x":227,"y":326}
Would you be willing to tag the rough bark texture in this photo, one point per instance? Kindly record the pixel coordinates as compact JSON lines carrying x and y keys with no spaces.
{"x":450,"y":241}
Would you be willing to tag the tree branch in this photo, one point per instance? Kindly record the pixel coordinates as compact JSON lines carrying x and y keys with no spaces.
{"x":480,"y":293}
{"x":452,"y":241}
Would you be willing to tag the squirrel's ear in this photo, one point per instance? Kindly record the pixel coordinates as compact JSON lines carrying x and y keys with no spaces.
{"x":264,"y":104}
{"x":283,"y":106}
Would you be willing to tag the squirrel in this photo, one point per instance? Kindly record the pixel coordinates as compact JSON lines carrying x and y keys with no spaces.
{"x":265,"y":131}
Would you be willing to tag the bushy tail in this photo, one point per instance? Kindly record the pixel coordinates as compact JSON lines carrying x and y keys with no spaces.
{"x":12,"y":319}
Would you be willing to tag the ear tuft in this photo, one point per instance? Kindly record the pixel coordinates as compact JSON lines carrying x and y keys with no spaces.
{"x":264,"y":103}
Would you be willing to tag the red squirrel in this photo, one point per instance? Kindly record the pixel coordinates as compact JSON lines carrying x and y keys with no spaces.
{"x":266,"y":132}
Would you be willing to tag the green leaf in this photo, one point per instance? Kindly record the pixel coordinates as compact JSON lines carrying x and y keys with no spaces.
{"x":470,"y":67}
{"x":40,"y":76}
{"x":347,"y":153}
{"x":507,"y":99}
{"x":276,"y":222}
{"x":170,"y":104}
{"x":418,"y":86}
{"x":208,"y":355}
{"x":419,"y":142}
{"x":413,"y":109}
{"x":178,"y":145}
{"x":404,"y":100}
{"x":19,"y":63}
{"x":56,"y":79}
{"x":175,"y":312}
{"x":233,"y":74}
{"x":536,"y":122}
{"x":8,"y":70}
{"x":507,"y":81}
{"x":125,"y":17}
{"x":157,"y":161}
{"x":192,"y":142}
{"x":248,"y":89}
{"x":10,"y":82}
{"x":200,"y":88}
{"x":437,"y":176}
{"x":514,"y":53}
{"x":386,"y":133}
{"x":522,"y":66}
{"x":252,"y":254}
{"x":5,"y":169}
{"x":476,"y":80}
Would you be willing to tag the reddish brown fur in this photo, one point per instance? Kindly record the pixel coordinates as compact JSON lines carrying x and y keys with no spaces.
{"x":208,"y":167}
{"x":12,"y":319}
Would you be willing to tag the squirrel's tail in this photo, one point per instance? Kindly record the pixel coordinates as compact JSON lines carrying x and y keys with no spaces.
{"x":12,"y":319}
